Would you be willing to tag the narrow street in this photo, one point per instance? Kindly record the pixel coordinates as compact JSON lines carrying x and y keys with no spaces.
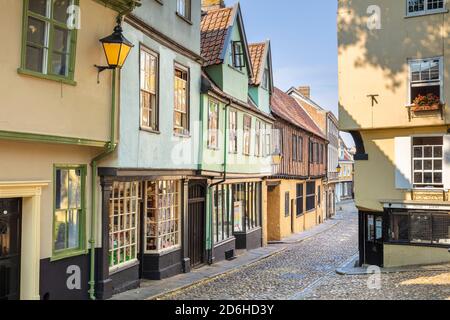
{"x":307,"y":270}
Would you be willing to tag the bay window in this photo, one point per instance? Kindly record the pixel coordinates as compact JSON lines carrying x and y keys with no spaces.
{"x":162,"y":207}
{"x":49,"y":39}
{"x":181,"y":108}
{"x":149,"y":94}
{"x":123,"y":224}
{"x":69,"y":215}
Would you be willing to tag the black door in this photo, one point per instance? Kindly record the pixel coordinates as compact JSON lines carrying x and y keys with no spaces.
{"x":10,"y":226}
{"x":374,"y":239}
{"x":196,"y":213}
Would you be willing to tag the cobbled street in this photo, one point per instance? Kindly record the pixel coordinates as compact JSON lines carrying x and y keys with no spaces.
{"x":307,"y":271}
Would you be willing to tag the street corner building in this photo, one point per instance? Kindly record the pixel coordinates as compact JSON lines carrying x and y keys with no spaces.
{"x":393,"y":102}
{"x":55,"y":120}
{"x":297,"y":188}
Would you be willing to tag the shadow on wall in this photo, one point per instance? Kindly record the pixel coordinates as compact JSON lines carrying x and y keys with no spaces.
{"x":420,"y":36}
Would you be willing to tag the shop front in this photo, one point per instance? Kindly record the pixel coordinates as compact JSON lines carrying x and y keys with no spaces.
{"x":236,"y":218}
{"x":151,"y":230}
{"x":406,"y":235}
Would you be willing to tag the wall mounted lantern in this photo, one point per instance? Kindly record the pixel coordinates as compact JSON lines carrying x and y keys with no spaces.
{"x":116,"y":48}
{"x":339,"y":168}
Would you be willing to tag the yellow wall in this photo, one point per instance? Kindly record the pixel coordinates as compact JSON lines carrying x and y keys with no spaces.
{"x":375,"y":178}
{"x":34,"y":162}
{"x":375,"y":62}
{"x":396,"y":256}
{"x":280,"y":226}
{"x":36,"y":105}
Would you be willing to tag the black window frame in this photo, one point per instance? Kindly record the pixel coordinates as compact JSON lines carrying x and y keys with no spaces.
{"x":310,"y":196}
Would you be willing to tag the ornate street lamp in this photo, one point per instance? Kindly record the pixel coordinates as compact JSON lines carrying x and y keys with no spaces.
{"x":338,"y":169}
{"x":116,"y":48}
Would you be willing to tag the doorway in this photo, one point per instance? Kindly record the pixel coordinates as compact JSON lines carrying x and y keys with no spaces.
{"x":10,"y":235}
{"x":196,"y":223}
{"x":373,"y":244}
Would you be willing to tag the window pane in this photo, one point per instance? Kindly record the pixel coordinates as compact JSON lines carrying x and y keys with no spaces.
{"x":421,"y":228}
{"x":60,"y":64}
{"x":34,"y":59}
{"x":73,"y":225}
{"x":38,"y":6}
{"x":427,"y":177}
{"x":438,"y":152}
{"x":60,"y":10}
{"x":441,"y":229}
{"x":418,"y":165}
{"x":437,"y":177}
{"x":62,"y":192}
{"x":400,"y":228}
{"x":428,"y":152}
{"x":75,"y":189}
{"x":418,"y":177}
{"x":60,"y":230}
{"x":418,"y":152}
{"x":428,"y":165}
{"x":61,"y":40}
{"x":437,"y":164}
{"x":36,"y":31}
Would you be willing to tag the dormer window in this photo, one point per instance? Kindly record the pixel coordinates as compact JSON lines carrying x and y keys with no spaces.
{"x":237,"y":55}
{"x":265,"y":79}
{"x":419,"y":7}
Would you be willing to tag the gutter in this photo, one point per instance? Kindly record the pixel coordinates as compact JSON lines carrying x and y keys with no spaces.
{"x":109,"y":149}
{"x":225,"y":167}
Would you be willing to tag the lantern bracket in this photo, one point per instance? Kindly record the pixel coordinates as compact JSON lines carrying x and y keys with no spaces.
{"x":100,"y":69}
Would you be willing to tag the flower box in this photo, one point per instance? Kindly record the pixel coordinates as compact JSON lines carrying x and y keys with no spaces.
{"x":434,"y":107}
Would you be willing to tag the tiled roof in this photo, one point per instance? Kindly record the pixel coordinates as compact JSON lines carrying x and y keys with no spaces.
{"x":257,"y":51}
{"x":287,"y":108}
{"x":214,"y":29}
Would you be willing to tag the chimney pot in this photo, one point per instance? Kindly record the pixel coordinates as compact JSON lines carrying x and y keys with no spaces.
{"x":212,"y":4}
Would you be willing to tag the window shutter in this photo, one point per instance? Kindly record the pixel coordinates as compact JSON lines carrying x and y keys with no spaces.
{"x":403,"y":168}
{"x":446,"y":168}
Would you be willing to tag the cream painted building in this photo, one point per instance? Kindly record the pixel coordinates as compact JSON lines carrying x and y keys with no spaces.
{"x":55,"y":118}
{"x":393,"y":89}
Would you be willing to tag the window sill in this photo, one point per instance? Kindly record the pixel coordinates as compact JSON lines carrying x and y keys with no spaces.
{"x":182,"y":136}
{"x":426,"y":13}
{"x":149,"y":130}
{"x":187,"y":20}
{"x":67,"y":254}
{"x":123,"y":267}
{"x":164,"y":251}
{"x":46,"y":77}
{"x":213,"y":149}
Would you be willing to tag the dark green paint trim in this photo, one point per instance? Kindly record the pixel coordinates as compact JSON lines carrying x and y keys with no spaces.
{"x":46,"y":76}
{"x":33,"y":137}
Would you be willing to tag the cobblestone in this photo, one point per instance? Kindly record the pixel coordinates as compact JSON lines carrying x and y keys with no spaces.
{"x":285,"y":274}
{"x":307,"y":271}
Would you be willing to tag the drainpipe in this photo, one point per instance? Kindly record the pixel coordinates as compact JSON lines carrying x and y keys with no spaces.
{"x":225,"y":164}
{"x":109,"y":148}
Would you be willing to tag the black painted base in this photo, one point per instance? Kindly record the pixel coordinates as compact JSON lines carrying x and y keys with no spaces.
{"x":224,"y":251}
{"x":250,"y":240}
{"x":162,"y":266}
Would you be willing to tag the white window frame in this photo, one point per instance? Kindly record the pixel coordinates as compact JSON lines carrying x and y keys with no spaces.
{"x":426,"y":11}
{"x":413,"y":171}
{"x":184,"y":8}
{"x":441,"y":77}
{"x":213,"y":132}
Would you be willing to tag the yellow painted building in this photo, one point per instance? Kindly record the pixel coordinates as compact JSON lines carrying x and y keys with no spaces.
{"x":55,"y":118}
{"x":393,"y":88}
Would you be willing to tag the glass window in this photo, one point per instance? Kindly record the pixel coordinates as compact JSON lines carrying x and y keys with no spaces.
{"x":213,"y":125}
{"x":441,"y":229}
{"x":299,"y":199}
{"x":300,"y":149}
{"x":50,"y":43}
{"x":425,"y":78}
{"x":181,"y":110}
{"x":247,"y":134}
{"x":428,"y":158}
{"x":424,"y":6}
{"x":69,"y":209}
{"x":400,"y":227}
{"x":247,"y":206}
{"x":420,"y":228}
{"x":310,"y":196}
{"x":239,"y":207}
{"x":184,"y":8}
{"x":268,"y":141}
{"x":258,"y":141}
{"x":233,"y":131}
{"x":149,"y":90}
{"x":265,"y":79}
{"x":294,"y":148}
{"x":222,"y":213}
{"x":123,"y":224}
{"x":163,"y":206}
{"x":238,"y":55}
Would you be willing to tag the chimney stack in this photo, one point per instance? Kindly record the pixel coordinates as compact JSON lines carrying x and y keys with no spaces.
{"x":212,"y":4}
{"x":305,"y":90}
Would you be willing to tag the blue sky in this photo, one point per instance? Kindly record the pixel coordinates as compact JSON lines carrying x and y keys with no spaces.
{"x":304,"y":43}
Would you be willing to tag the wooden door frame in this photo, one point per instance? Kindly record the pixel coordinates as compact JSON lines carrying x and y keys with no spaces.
{"x":204,"y":185}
